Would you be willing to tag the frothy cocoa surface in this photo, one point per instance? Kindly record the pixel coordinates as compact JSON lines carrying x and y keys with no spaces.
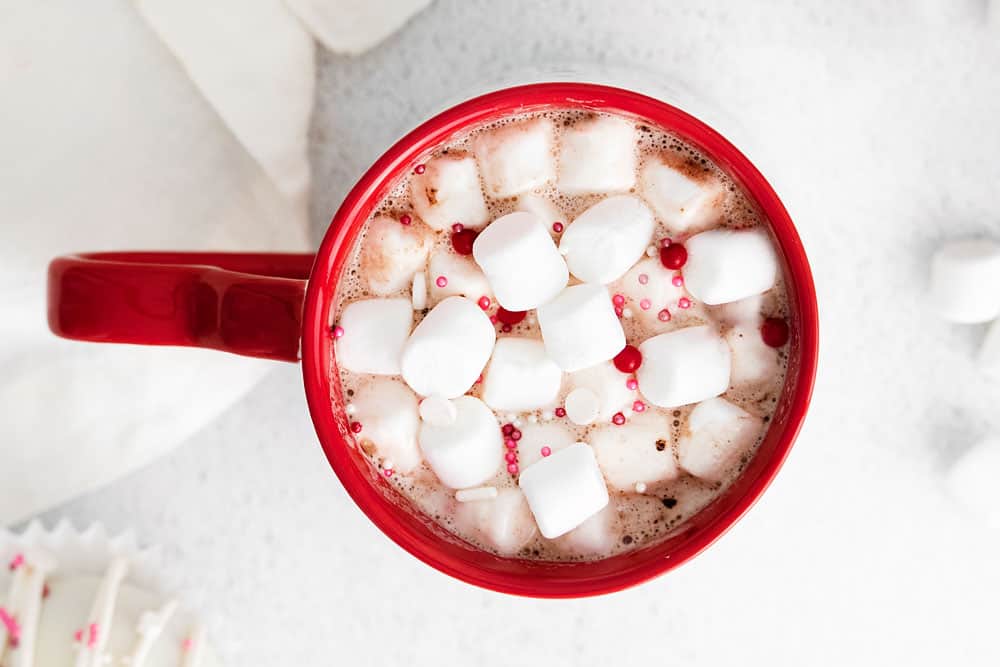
{"x":636,"y":519}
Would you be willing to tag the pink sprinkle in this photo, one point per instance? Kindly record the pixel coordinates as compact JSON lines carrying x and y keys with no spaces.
{"x":405,"y":219}
{"x":457,"y":227}
{"x":484,"y":302}
{"x":338,"y":331}
{"x":355,"y":427}
{"x":663,"y":315}
{"x":643,"y":279}
{"x":511,"y":457}
{"x":493,"y":319}
{"x":619,"y":311}
{"x":678,"y":280}
{"x":92,"y":639}
{"x":419,"y":169}
{"x":684,"y":302}
{"x":665,"y":242}
{"x":618,"y":419}
{"x":507,"y":428}
{"x":557,"y":227}
{"x":546,"y":450}
{"x":512,"y":468}
{"x":506,"y":328}
{"x":618,"y":300}
{"x":441,"y":281}
{"x":479,"y":379}
{"x":560,"y":412}
{"x":78,"y":635}
{"x":187,"y":644}
{"x":387,"y":472}
{"x":639,"y":406}
{"x":515,"y":434}
{"x":510,"y":443}
{"x":645,"y":304}
{"x":9,"y":622}
{"x":632,"y":384}
{"x":17,"y":562}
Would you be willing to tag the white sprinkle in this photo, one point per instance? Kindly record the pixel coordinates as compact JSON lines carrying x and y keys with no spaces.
{"x":478,"y":493}
{"x":627,"y":313}
{"x":532,"y":319}
{"x":533,"y":418}
{"x":640,"y":487}
{"x":651,"y":251}
{"x":387,"y":464}
{"x":546,"y":415}
{"x":419,"y":291}
{"x":350,"y":408}
{"x":510,"y":417}
{"x":563,"y":251}
{"x":517,"y":423}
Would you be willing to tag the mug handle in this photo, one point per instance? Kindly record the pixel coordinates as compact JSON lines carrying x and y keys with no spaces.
{"x":244,"y":303}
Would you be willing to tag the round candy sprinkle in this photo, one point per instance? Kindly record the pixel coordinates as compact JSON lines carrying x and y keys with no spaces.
{"x":484,"y":302}
{"x":441,"y":281}
{"x":639,"y":406}
{"x":631,"y":384}
{"x":643,"y":278}
{"x":546,"y":450}
{"x":457,"y":227}
{"x":507,"y":428}
{"x":387,"y":472}
{"x":618,"y":419}
{"x":640,"y":487}
{"x":419,"y":169}
{"x":557,"y":227}
{"x":663,"y":315}
{"x":405,"y":219}
{"x":684,"y":302}
{"x":665,"y":242}
{"x":493,"y":319}
{"x":506,"y":328}
{"x":338,"y":331}
{"x":774,"y":332}
{"x":677,"y":280}
{"x":645,"y":304}
{"x":619,"y":311}
{"x":560,"y":412}
{"x":618,"y":300}
{"x":627,"y":313}
{"x":512,"y":468}
{"x":355,"y":427}
{"x":462,"y":240}
{"x":629,"y":359}
{"x":511,"y":317}
{"x":673,"y":256}
{"x":511,"y":457}
{"x":515,"y":434}
{"x":510,"y":443}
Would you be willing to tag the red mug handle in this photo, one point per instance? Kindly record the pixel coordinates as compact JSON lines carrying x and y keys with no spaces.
{"x":244,"y":303}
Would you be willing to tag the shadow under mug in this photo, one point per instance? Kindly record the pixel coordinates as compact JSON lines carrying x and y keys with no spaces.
{"x":279,"y":306}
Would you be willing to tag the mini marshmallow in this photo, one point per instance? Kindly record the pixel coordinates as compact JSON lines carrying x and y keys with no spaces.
{"x":637,"y":452}
{"x":375,"y":331}
{"x":554,"y":435}
{"x":581,"y":406}
{"x":580,"y":328}
{"x":505,"y":522}
{"x":685,"y":195}
{"x":461,"y":277}
{"x":448,"y":349}
{"x":607,"y":239}
{"x":725,"y":265}
{"x":753,"y":360}
{"x":418,"y":290}
{"x":649,"y":288}
{"x":520,"y":261}
{"x":448,"y":192}
{"x":718,"y":434}
{"x":989,"y":350}
{"x":438,"y":411}
{"x":466,"y":452}
{"x":608,"y":384}
{"x":972,"y":481}
{"x":745,"y":312}
{"x":965,"y":281}
{"x":598,"y":155}
{"x":543,"y":208}
{"x":477,"y":493}
{"x":594,"y":537}
{"x":516,"y":158}
{"x":520,"y":375}
{"x":392,"y":254}
{"x":684,"y":366}
{"x":564,"y":489}
{"x":387,"y":412}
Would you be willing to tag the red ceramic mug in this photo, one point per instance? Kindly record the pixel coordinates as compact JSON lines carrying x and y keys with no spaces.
{"x":278,"y":306}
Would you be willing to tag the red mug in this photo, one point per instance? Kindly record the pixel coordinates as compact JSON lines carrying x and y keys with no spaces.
{"x":278,"y":306}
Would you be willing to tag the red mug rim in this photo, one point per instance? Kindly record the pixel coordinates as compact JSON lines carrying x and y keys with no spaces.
{"x":428,"y":542}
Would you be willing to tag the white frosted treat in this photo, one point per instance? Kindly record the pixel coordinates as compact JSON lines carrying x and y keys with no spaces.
{"x":542,"y":208}
{"x":554,"y":435}
{"x":965,"y":281}
{"x":725,"y":265}
{"x":392,"y":253}
{"x":636,"y":452}
{"x":649,"y":288}
{"x":608,"y":384}
{"x":375,"y":331}
{"x":520,"y":375}
{"x":684,"y":366}
{"x":745,"y":312}
{"x":972,"y":480}
{"x":989,"y":350}
{"x":685,"y":196}
{"x":504,"y":522}
{"x":438,"y":411}
{"x":461,"y":277}
{"x":604,"y":241}
{"x":582,"y":406}
{"x":580,"y":328}
{"x":753,"y":360}
{"x":594,"y":537}
{"x":718,"y":434}
{"x":564,"y":489}
{"x":516,"y":158}
{"x":387,"y":412}
{"x":448,"y":192}
{"x":448,"y":349}
{"x":598,"y":155}
{"x":520,"y":260}
{"x":466,"y":452}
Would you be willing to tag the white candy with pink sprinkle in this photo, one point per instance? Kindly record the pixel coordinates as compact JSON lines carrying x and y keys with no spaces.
{"x":684,"y":366}
{"x":454,"y":275}
{"x":580,"y":328}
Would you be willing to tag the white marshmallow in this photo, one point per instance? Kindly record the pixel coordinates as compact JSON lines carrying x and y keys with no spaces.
{"x":598,"y":155}
{"x":629,"y":454}
{"x":972,"y":481}
{"x":726,"y":265}
{"x":745,"y":312}
{"x":580,"y":328}
{"x":608,"y":384}
{"x":387,"y":412}
{"x":581,"y":406}
{"x":658,"y":292}
{"x":516,"y":158}
{"x":685,"y":196}
{"x":448,"y":349}
{"x":476,"y":493}
{"x":505,"y":522}
{"x":392,"y":253}
{"x":375,"y":331}
{"x":438,"y":411}
{"x":418,"y":290}
{"x":594,"y":537}
{"x":520,"y":375}
{"x":542,"y":208}
{"x":520,"y":261}
{"x":448,"y":192}
{"x":554,"y":435}
{"x":753,"y":361}
{"x":989,"y":350}
{"x":461,"y":273}
{"x":564,"y":490}
{"x":466,"y":452}
{"x":718,"y":434}
{"x":965,"y":281}
{"x":684,"y":366}
{"x":607,"y":239}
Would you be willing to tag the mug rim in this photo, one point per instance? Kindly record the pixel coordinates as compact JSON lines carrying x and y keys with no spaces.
{"x":407,"y":152}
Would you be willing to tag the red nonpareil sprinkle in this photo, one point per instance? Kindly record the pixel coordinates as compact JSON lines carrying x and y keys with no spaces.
{"x":677,"y":280}
{"x":663,"y":315}
{"x":546,"y":450}
{"x":673,"y":256}
{"x":457,"y":227}
{"x":618,"y":300}
{"x":629,"y":359}
{"x":557,"y":227}
{"x":511,"y":317}
{"x":506,"y":328}
{"x":493,"y":319}
{"x":639,"y":406}
{"x":419,"y":169}
{"x":665,"y":242}
{"x":45,"y":591}
{"x":507,"y":428}
{"x":10,"y":623}
{"x":774,"y":332}
{"x":510,"y":443}
{"x":484,"y":302}
{"x":645,"y":304}
{"x":92,"y":636}
{"x":643,"y":278}
{"x":512,"y":468}
{"x":355,"y":427}
{"x":387,"y":472}
{"x":515,"y":435}
{"x":618,"y":419}
{"x":619,"y":311}
{"x":631,"y":384}
{"x":462,"y":241}
{"x":338,"y":331}
{"x":441,"y":281}
{"x":78,"y":635}
{"x":405,"y":219}
{"x":187,"y":644}
{"x":684,"y":302}
{"x":511,"y":457}
{"x":16,"y":562}
{"x":560,"y":412}
{"x":479,"y":379}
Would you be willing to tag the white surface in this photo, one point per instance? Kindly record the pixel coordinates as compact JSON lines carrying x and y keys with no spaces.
{"x":854,"y":556}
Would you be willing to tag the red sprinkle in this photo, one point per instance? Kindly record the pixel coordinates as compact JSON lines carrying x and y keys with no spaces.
{"x":645,"y":304}
{"x":441,"y":281}
{"x":45,"y":591}
{"x":618,"y":419}
{"x":10,"y":623}
{"x":507,"y":428}
{"x":484,"y":302}
{"x":546,"y":450}
{"x":643,"y":278}
{"x":493,"y":319}
{"x":560,"y":412}
{"x":419,"y":169}
{"x":78,"y":635}
{"x":355,"y":427}
{"x":684,"y":302}
{"x":512,"y":468}
{"x":92,"y":639}
{"x":457,"y":227}
{"x":619,"y":311}
{"x":663,"y":315}
{"x":511,"y":457}
{"x":678,"y":280}
{"x":462,"y":240}
{"x":515,"y":434}
{"x":557,"y":227}
{"x":774,"y":332}
{"x":16,"y":562}
{"x":629,"y":359}
{"x":631,"y":384}
{"x":673,"y":256}
{"x":510,"y":443}
{"x":506,"y":328}
{"x":387,"y":472}
{"x":338,"y":331}
{"x":511,"y":317}
{"x":405,"y":219}
{"x":639,"y":406}
{"x":665,"y":242}
{"x":618,"y":300}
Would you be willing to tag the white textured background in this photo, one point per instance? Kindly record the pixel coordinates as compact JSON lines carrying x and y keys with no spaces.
{"x":879,"y":125}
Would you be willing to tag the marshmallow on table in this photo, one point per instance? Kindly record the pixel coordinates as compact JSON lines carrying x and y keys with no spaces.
{"x":542,"y":208}
{"x":580,"y":328}
{"x":466,"y":452}
{"x":520,"y":375}
{"x":608,"y":385}
{"x":521,"y":262}
{"x":649,"y":288}
{"x":604,"y":241}
{"x":375,"y":331}
{"x":965,"y":281}
{"x":387,"y":412}
{"x":392,"y":253}
{"x":448,"y":192}
{"x":753,"y":360}
{"x":972,"y":480}
{"x":504,"y":522}
{"x":594,"y":537}
{"x":461,"y":277}
{"x":684,"y":194}
{"x":727,"y":265}
{"x":598,"y":155}
{"x":448,"y":349}
{"x":718,"y":433}
{"x":564,"y":489}
{"x":516,"y":158}
{"x":554,"y":435}
{"x":684,"y":366}
{"x":636,"y":452}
